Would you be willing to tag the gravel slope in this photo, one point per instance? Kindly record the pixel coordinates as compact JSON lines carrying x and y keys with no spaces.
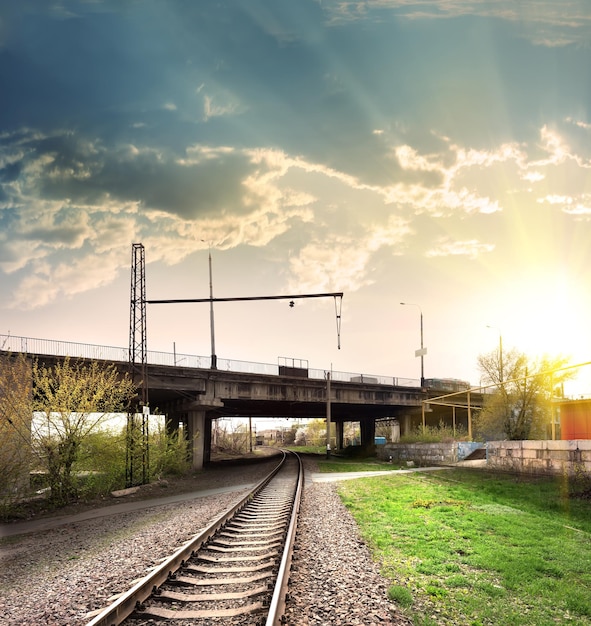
{"x":334,"y":581}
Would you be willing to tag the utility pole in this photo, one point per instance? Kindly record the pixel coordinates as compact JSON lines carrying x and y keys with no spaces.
{"x":138,"y":365}
{"x":328,"y":416}
{"x":214,"y":358}
{"x":423,"y":350}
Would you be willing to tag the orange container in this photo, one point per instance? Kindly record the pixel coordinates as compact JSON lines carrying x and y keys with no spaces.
{"x":575,"y":419}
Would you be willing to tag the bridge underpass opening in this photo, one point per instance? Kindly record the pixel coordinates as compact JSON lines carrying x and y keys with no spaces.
{"x":138,"y":344}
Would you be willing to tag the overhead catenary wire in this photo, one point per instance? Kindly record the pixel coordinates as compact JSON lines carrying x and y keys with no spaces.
{"x":338,"y":300}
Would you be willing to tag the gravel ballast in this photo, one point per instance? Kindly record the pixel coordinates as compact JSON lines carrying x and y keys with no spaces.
{"x":57,"y":577}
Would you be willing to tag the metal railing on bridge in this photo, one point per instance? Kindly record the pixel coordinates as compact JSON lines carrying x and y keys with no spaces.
{"x":52,"y":347}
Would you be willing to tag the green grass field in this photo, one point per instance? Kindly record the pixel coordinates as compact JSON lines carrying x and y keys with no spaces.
{"x":475,"y":548}
{"x":335,"y":464}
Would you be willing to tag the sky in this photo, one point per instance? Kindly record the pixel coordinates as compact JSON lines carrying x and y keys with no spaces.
{"x":432,"y":152}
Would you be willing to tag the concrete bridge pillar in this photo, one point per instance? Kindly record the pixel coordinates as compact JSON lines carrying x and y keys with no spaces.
{"x":200,"y":415}
{"x":172,"y":421}
{"x":196,"y":427}
{"x":199,"y":437}
{"x":368,"y":432}
{"x":395,"y":431}
{"x":195,"y":432}
{"x":339,"y":428}
{"x":406,"y":425}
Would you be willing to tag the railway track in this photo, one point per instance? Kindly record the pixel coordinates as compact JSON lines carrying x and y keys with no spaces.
{"x":235,"y":571}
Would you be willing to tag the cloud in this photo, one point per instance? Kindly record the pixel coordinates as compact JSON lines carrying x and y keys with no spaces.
{"x":65,"y":166}
{"x":340,"y":262}
{"x":72,"y":204}
{"x":556,"y":149}
{"x":575,"y":206}
{"x":211,"y":109}
{"x":470,"y":248}
{"x":579,"y":210}
{"x":66,"y":279}
{"x":579,"y":123}
{"x":533,"y":177}
{"x":454,"y":168}
{"x":64,"y":227}
{"x":544,"y":23}
{"x":15,"y":255}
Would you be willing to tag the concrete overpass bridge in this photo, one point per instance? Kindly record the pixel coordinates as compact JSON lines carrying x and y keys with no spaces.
{"x":187,"y":390}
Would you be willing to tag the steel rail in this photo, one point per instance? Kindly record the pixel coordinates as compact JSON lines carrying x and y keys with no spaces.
{"x":119,"y":610}
{"x":277,"y":605}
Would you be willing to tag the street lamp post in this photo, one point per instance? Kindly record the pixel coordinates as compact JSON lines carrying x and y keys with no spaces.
{"x":506,"y":408}
{"x":214,"y":359}
{"x":423,"y":350}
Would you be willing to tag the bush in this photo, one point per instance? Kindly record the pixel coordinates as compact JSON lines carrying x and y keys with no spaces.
{"x":435,"y":434}
{"x":101,"y":467}
{"x":169,"y":454}
{"x":15,"y":428}
{"x":73,"y":400}
{"x":579,"y":482}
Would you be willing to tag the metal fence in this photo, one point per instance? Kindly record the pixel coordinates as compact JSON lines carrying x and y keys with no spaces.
{"x":30,"y":345}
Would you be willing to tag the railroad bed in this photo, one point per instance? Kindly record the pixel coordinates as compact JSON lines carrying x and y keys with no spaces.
{"x":234,"y":571}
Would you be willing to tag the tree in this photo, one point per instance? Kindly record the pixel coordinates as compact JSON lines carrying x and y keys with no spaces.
{"x":289,"y":435}
{"x":232,"y":436}
{"x":300,"y":436}
{"x":71,"y":401}
{"x":316,"y":432}
{"x":15,"y":425}
{"x":520,"y":406}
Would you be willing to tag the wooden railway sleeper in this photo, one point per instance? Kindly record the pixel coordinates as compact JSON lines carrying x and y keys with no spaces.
{"x":262,"y":517}
{"x":235,"y":570}
{"x":247,"y":546}
{"x":244,"y":580}
{"x":212,"y":597}
{"x":260,"y":525}
{"x":238,"y":559}
{"x":201,"y":614}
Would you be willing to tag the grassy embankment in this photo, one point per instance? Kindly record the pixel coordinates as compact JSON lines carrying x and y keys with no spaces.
{"x":476,"y":548}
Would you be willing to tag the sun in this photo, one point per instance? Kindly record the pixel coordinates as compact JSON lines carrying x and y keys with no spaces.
{"x":546,"y":314}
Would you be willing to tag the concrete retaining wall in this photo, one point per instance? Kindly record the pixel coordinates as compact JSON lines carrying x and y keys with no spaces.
{"x":552,"y":457}
{"x":428,"y":453}
{"x":540,"y":456}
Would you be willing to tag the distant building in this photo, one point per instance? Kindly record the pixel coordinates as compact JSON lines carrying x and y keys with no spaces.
{"x":575,"y":419}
